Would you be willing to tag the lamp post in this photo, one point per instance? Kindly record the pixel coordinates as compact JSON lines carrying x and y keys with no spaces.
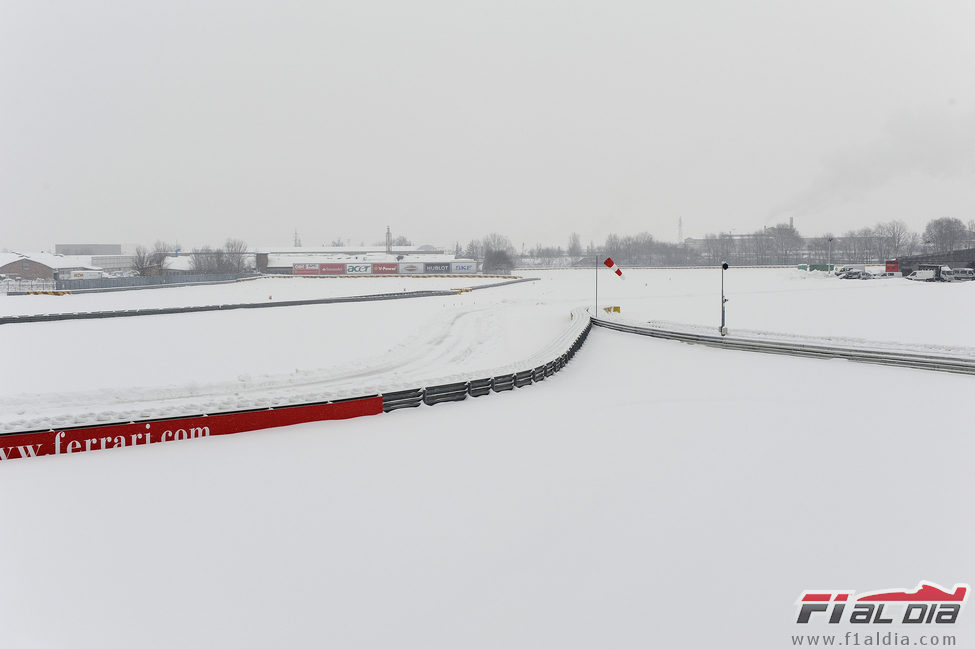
{"x":829,"y":254}
{"x":723,"y":330}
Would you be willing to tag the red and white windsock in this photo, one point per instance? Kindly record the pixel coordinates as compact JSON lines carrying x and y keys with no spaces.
{"x":613,"y":267}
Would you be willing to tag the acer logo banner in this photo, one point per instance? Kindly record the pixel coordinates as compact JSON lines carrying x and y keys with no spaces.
{"x":332,"y":269}
{"x":358,"y":269}
{"x":305,"y":269}
{"x":385,"y":269}
{"x":437,"y":268}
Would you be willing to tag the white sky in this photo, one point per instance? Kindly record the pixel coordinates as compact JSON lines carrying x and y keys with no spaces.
{"x":133,"y":121}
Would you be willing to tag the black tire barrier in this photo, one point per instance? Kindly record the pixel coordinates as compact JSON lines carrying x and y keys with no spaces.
{"x":504,"y":383}
{"x":402,"y":399}
{"x":479,"y":387}
{"x":441,"y":393}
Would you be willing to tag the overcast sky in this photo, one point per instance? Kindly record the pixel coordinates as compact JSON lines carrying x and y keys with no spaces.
{"x":194,"y":121}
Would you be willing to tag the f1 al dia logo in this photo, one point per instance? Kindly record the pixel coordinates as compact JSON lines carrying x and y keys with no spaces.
{"x":929,"y":603}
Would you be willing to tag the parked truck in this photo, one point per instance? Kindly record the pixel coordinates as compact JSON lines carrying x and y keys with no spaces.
{"x":928,"y":273}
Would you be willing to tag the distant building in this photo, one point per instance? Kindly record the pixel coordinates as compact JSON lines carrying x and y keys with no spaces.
{"x":182,"y":265}
{"x":113,"y":263}
{"x":88,"y":249}
{"x":41,"y":265}
{"x":275,"y":260}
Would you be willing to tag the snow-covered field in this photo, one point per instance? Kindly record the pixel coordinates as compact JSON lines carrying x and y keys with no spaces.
{"x":652,"y":494}
{"x":88,"y":371}
{"x":647,"y":485}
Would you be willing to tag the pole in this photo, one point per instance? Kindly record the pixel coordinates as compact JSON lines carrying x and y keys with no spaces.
{"x":723,"y":330}
{"x":595,"y":306}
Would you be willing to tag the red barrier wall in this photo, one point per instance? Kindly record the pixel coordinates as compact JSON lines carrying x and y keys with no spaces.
{"x":76,"y":440}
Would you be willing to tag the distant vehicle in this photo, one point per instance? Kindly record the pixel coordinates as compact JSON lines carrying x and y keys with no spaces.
{"x":958,"y":275}
{"x":85,"y":274}
{"x":850,"y":267}
{"x":856,"y":274}
{"x":923,"y":276}
{"x":937,"y":269}
{"x":888,"y":275}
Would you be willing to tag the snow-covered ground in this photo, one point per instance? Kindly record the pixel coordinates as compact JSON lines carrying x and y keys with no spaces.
{"x":89,"y":371}
{"x":789,"y":301}
{"x":652,"y":494}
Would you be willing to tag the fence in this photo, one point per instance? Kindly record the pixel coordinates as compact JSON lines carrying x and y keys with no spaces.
{"x":145,"y":282}
{"x":26,"y":285}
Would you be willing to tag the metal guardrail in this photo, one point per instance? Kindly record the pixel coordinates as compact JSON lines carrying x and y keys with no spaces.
{"x":955,"y":365}
{"x":155,"y":281}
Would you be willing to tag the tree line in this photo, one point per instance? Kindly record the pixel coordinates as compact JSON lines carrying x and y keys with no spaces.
{"x":780,"y":244}
{"x":232,"y":258}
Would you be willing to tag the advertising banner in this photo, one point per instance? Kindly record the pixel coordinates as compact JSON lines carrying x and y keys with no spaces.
{"x":305,"y":269}
{"x":332,"y":269}
{"x":437,"y":267}
{"x":411,"y":268}
{"x":468,"y":267}
{"x":385,"y":269}
{"x":358,"y":269}
{"x":93,"y":438}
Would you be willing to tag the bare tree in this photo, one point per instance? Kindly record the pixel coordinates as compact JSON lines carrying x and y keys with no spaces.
{"x":235,"y":256}
{"x":575,"y":245}
{"x":142,"y":262}
{"x":944,"y":234}
{"x":912,"y":242}
{"x":208,"y":261}
{"x":785,"y":243}
{"x":495,"y":241}
{"x":891,"y":237}
{"x":160,"y":250}
{"x":498,"y":261}
{"x":474,"y":250}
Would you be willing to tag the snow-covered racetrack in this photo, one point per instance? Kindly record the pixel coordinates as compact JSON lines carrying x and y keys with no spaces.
{"x":248,"y":291}
{"x":83,"y":372}
{"x":201,"y":362}
{"x":648,"y":484}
